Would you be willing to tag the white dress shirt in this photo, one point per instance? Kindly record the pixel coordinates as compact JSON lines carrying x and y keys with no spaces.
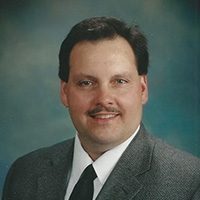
{"x":103,"y":166}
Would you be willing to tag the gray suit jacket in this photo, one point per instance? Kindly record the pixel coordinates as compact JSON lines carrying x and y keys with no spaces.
{"x":147,"y":170}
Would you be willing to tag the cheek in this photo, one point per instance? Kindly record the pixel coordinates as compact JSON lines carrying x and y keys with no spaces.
{"x":78,"y":102}
{"x":131,"y":102}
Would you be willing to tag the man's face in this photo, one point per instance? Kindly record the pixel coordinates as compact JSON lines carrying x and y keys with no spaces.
{"x":104,"y":93}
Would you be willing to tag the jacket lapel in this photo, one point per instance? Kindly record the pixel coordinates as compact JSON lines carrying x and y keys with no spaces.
{"x":55,"y":174}
{"x":135,"y":161}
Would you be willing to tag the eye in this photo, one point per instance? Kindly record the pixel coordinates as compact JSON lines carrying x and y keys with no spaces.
{"x":85,"y":83}
{"x":121,"y":81}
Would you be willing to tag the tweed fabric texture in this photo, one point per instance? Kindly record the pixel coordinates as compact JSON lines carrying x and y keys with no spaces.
{"x":148,"y":170}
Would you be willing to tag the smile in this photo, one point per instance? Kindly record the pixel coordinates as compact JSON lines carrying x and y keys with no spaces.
{"x":104,"y":116}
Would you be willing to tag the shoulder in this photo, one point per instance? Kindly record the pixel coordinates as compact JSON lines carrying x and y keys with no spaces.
{"x":36,"y":161}
{"x":25,"y":171}
{"x":175,"y":164}
{"x":174,"y":172}
{"x":164,"y":154}
{"x":168,"y":154}
{"x":48,"y":152}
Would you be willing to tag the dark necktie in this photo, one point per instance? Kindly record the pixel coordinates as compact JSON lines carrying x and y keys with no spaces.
{"x":84,"y":188}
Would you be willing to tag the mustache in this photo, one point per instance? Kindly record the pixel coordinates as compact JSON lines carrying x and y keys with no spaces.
{"x":99,"y":109}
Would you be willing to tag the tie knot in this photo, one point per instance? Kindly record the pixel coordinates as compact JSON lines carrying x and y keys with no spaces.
{"x":89,"y":173}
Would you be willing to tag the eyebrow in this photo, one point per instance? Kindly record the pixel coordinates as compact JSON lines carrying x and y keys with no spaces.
{"x":120,"y":75}
{"x":82,"y":75}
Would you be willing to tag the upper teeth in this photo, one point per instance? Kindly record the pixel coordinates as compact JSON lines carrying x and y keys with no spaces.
{"x":104,"y":116}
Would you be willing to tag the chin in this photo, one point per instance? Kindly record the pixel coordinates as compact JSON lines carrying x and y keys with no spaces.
{"x":105,"y":140}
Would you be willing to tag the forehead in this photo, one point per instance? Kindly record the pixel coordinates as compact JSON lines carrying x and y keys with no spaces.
{"x":102,"y":50}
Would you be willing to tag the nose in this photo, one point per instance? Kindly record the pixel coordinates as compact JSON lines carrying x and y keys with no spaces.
{"x":104,"y":96}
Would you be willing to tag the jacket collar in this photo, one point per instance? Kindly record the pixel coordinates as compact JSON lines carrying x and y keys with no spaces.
{"x":136,"y":160}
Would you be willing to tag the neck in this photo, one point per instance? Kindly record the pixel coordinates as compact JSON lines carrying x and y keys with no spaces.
{"x":94,"y":155}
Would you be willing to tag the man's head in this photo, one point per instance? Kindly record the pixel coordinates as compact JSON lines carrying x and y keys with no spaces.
{"x":104,"y":88}
{"x":99,"y":28}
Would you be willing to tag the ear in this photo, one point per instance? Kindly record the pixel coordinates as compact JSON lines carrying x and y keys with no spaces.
{"x":144,"y":88}
{"x":64,"y":93}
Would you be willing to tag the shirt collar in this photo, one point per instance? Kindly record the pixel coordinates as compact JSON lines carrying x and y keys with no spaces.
{"x":106,"y":162}
{"x":80,"y":160}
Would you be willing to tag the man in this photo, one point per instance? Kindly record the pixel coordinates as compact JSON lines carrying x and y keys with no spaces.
{"x":103,"y":72}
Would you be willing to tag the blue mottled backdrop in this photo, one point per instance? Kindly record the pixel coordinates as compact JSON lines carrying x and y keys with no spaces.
{"x":31,"y":31}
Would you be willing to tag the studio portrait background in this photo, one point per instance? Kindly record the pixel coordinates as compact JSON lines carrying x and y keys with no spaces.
{"x":31,"y":114}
